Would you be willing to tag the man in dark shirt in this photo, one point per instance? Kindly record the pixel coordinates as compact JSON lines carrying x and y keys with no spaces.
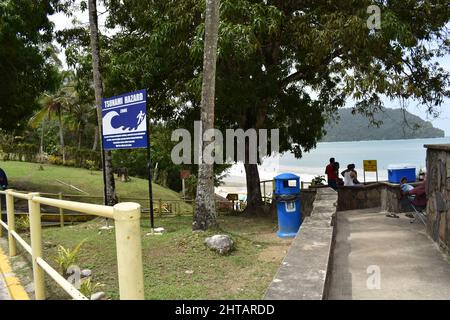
{"x":330,"y":171}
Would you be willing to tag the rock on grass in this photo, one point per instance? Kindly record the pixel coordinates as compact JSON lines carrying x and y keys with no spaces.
{"x":220,"y":243}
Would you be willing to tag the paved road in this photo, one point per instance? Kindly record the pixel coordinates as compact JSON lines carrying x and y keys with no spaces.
{"x":377,"y":257}
{"x":4,"y":294}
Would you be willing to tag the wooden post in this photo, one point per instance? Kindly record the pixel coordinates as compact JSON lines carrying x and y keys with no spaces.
{"x":61,"y":212}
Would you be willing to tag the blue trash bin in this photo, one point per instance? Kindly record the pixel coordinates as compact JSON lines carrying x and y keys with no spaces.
{"x":287,"y":197}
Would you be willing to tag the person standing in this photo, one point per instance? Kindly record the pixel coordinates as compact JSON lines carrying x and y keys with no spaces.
{"x":349,"y":176}
{"x":330,"y":171}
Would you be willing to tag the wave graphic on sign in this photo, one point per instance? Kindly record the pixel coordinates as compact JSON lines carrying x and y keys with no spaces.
{"x":109,"y":129}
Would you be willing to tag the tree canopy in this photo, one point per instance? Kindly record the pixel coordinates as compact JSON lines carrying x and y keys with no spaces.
{"x":27,"y":58}
{"x":283,"y":64}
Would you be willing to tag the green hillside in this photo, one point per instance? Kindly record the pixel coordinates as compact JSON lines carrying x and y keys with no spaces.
{"x":24,"y":176}
{"x":395,"y":125}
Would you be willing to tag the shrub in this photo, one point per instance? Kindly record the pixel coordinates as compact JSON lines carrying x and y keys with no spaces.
{"x":55,"y":160}
{"x":87,"y":287}
{"x":70,"y":163}
{"x":67,"y":257}
{"x":22,"y":224}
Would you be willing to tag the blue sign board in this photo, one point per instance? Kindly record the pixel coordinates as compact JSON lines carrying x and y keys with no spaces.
{"x":125,"y":121}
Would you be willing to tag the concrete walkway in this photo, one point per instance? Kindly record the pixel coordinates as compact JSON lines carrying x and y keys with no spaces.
{"x":377,"y":257}
{"x":4,"y":293}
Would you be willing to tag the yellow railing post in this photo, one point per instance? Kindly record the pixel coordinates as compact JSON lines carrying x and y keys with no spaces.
{"x":61,"y":212}
{"x":127,"y":217}
{"x":11,"y":223}
{"x":36,"y":246}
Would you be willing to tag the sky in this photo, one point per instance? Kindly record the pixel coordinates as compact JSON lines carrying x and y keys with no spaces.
{"x":442,"y":122}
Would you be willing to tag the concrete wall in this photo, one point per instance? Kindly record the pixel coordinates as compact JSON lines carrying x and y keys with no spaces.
{"x":438,"y":192}
{"x":359,"y":197}
{"x":384,"y":195}
{"x":307,"y":198}
{"x":305,"y":271}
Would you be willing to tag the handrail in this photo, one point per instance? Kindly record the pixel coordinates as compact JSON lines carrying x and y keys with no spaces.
{"x":128,"y":242}
{"x":94,"y":209}
{"x":59,"y":279}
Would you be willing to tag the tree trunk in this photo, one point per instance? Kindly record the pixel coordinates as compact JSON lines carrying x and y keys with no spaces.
{"x":110,"y":196}
{"x":61,"y":136}
{"x":205,"y":211}
{"x":41,"y":147}
{"x":254,"y":197}
{"x":80,"y":136}
{"x":96,"y":138}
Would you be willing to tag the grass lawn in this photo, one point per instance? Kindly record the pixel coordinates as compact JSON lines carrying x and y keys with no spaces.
{"x":177,"y":265}
{"x":24,"y":176}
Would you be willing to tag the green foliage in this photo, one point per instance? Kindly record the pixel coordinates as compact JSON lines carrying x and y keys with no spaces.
{"x":22,"y":224}
{"x":318,"y":181}
{"x":27,"y":64}
{"x":87,"y":287}
{"x":19,"y":151}
{"x":271,"y":56}
{"x":57,"y":160}
{"x":67,"y":257}
{"x":81,"y":156}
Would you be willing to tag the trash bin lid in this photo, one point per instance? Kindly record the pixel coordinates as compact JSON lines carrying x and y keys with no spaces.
{"x":286,"y":176}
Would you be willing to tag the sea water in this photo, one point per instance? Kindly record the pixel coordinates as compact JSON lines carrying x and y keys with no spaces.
{"x":313,"y":163}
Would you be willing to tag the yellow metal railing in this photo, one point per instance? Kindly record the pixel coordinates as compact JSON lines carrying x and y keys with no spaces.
{"x":128,"y":242}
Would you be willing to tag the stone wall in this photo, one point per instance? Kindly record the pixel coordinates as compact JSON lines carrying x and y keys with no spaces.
{"x":359,"y":197}
{"x":438,"y":191}
{"x":384,"y":195}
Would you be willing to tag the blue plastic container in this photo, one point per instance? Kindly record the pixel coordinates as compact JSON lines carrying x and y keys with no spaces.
{"x":398,"y":171}
{"x":287,"y":196}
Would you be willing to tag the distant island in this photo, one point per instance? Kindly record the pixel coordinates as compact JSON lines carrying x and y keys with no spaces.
{"x":395,"y":125}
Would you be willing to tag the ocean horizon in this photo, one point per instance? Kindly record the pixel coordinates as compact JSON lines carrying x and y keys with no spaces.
{"x":313,"y":163}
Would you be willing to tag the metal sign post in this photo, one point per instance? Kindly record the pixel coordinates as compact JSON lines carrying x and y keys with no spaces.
{"x":125,"y":127}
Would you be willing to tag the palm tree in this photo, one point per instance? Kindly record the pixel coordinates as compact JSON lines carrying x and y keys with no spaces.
{"x":53,"y":104}
{"x":80,"y":115}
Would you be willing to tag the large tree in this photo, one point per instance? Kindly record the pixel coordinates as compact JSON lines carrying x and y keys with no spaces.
{"x":26,"y":65}
{"x":205,"y":208}
{"x":110,"y":187}
{"x":285,"y":64}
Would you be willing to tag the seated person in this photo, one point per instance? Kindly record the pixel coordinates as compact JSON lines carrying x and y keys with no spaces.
{"x":405,"y":187}
{"x":420,"y":195}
